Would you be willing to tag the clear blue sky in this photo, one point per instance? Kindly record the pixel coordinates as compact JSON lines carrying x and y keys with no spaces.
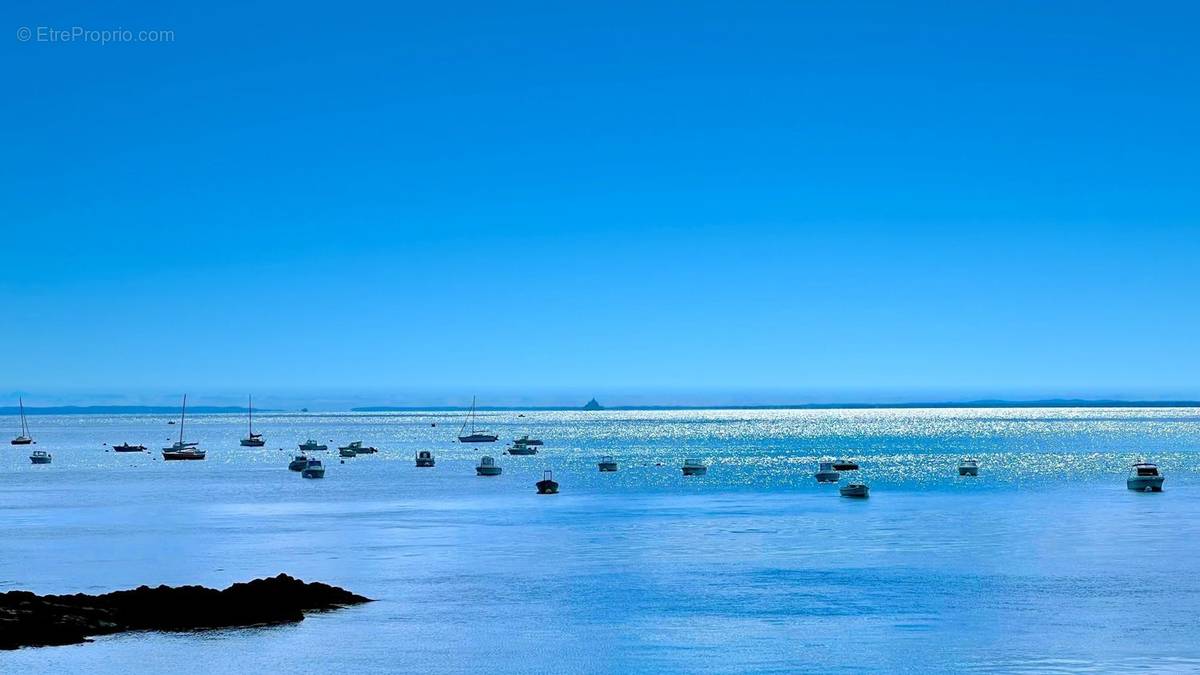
{"x":809,"y":201}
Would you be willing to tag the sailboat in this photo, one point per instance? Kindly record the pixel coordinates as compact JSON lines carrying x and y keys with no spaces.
{"x":253,"y":440}
{"x":181,"y":449}
{"x":24,"y":438}
{"x":479,"y":436}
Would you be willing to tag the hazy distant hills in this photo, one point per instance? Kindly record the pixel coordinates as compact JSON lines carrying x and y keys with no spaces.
{"x":124,"y":410}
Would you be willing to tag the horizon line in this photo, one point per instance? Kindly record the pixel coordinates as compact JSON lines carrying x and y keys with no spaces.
{"x":977,"y":403}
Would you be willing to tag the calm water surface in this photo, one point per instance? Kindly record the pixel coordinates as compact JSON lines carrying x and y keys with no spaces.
{"x":1045,"y":563}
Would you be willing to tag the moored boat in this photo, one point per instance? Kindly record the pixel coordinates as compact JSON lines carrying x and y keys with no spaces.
{"x":39,"y":457}
{"x":521,"y":449}
{"x":855,"y":490}
{"x":313,"y":469}
{"x":526,"y":440}
{"x":826,"y":474}
{"x":694,"y":467}
{"x":125,"y":447}
{"x":354,"y":449}
{"x":487,"y":467}
{"x":183,"y":449}
{"x":252,"y":440}
{"x":424,"y":459}
{"x":298,"y":463}
{"x":968,"y":466}
{"x":179,"y":451}
{"x":845,"y":465}
{"x":607,"y":463}
{"x":476,"y":436}
{"x":312,"y":446}
{"x":24,"y":438}
{"x":1145,"y":477}
{"x":547,"y":485}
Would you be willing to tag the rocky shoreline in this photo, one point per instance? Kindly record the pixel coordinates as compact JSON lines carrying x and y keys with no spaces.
{"x":30,"y":620}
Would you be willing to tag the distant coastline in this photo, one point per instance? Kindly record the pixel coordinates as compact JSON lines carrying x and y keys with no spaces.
{"x":987,"y":403}
{"x":127,"y":410}
{"x":1046,"y":403}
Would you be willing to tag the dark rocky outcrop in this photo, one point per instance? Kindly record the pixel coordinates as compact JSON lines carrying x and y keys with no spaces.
{"x":29,"y":620}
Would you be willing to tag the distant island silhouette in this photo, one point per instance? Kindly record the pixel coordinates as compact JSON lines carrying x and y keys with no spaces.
{"x":593,"y":405}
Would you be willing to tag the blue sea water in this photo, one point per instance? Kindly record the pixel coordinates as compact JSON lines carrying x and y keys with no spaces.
{"x":1044,"y":563}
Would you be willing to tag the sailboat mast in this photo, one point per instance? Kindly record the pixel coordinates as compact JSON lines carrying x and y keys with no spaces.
{"x":24,"y":424}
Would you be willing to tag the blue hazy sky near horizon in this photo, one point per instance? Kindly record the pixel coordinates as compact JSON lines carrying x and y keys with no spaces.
{"x":657,"y":202}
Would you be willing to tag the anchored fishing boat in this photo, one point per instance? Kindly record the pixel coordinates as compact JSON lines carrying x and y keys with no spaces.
{"x":547,"y":485}
{"x":855,"y":490}
{"x":298,"y":463}
{"x":125,"y":447}
{"x":521,"y":449}
{"x":39,"y":457}
{"x":1145,"y":477}
{"x":424,"y":458}
{"x":826,"y":474}
{"x":694,"y":467}
{"x":312,"y":446}
{"x":607,"y":463}
{"x":968,"y":466}
{"x":313,"y":469}
{"x":487,"y":467}
{"x":354,"y":449}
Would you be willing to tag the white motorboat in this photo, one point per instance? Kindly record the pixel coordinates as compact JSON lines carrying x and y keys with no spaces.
{"x":518,"y":448}
{"x":607,"y":463}
{"x":826,"y":474}
{"x":855,"y":490}
{"x":313,"y":469}
{"x":487,"y":467}
{"x":1145,"y":477}
{"x":694,"y":467}
{"x":968,"y":467}
{"x":39,"y":457}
